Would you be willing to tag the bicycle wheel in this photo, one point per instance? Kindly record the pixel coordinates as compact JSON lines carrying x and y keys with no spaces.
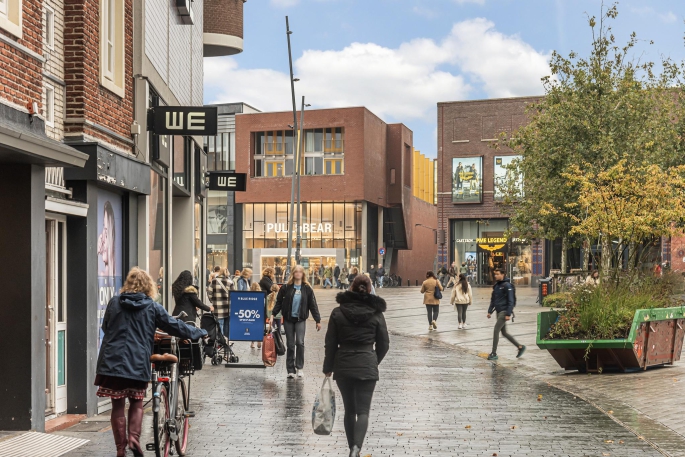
{"x":181,"y":419}
{"x":159,"y":420}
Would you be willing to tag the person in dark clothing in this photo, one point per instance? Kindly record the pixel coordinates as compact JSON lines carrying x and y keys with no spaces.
{"x":353,"y":329}
{"x":503,"y":301}
{"x":123,"y":366}
{"x":296,"y":300}
{"x":380,"y":274}
{"x":336,"y":276}
{"x":372,"y":274}
{"x":186,"y":297}
{"x":354,"y":272}
{"x":268,"y":280}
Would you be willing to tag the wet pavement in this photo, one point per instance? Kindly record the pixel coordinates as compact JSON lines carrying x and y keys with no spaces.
{"x":434,"y":399}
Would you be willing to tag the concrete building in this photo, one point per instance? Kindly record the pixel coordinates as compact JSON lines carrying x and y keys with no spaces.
{"x":471,"y":223}
{"x":357,"y":193}
{"x":87,"y":192}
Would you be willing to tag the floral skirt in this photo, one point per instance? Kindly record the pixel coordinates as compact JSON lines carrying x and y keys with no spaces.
{"x":116,"y":388}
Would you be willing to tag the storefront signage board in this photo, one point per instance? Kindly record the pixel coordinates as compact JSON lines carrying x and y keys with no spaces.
{"x":183,"y":120}
{"x":224,"y":180}
{"x":247,"y":315}
{"x":326,"y":227}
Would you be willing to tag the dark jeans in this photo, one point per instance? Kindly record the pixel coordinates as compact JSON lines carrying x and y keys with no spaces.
{"x":501,"y":326}
{"x":294,"y":337}
{"x":356,"y":397}
{"x":277,"y":323}
{"x":461,"y":312}
{"x":432,"y":312}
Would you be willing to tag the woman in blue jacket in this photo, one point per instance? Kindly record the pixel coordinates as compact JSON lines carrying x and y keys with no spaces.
{"x":123,"y":368}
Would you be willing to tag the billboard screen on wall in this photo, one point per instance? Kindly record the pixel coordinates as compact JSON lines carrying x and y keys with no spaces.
{"x":504,"y":177}
{"x":109,"y":249}
{"x":467,"y":179}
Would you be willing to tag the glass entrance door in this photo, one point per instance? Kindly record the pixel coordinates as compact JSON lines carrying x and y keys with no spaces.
{"x":55,"y":315}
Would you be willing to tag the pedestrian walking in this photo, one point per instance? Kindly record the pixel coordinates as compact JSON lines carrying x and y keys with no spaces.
{"x":279,"y":273}
{"x":268,"y":280}
{"x":245,"y":279}
{"x":354,"y":327}
{"x":270,"y":303}
{"x":354,"y":272}
{"x":503,"y":301}
{"x":461,"y":298}
{"x":336,"y":276}
{"x":327,"y":275}
{"x":296,"y":301}
{"x":217,"y":292}
{"x":213,"y":274}
{"x":432,"y":304}
{"x":372,"y":274}
{"x":186,"y":297}
{"x":123,"y":367}
{"x":452,"y":274}
{"x":343,"y":278}
{"x":236,"y":277}
{"x":380,"y":275}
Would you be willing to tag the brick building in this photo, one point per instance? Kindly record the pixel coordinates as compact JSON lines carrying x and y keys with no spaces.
{"x":356,"y":192}
{"x":471,"y":223}
{"x":87,"y":192}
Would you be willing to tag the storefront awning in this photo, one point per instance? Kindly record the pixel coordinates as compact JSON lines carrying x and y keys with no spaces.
{"x":19,"y":146}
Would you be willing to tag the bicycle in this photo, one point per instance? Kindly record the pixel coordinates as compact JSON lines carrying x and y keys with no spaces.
{"x":172,"y":363}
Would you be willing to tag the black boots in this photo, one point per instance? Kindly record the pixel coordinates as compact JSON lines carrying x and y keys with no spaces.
{"x":135,"y":422}
{"x":119,"y":432}
{"x":354,"y":452}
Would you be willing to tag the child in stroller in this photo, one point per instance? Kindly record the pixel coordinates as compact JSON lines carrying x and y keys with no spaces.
{"x":216,"y":347}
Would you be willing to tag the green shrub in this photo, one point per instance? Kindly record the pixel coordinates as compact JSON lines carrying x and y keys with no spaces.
{"x":607,"y":312}
{"x":558,"y":300}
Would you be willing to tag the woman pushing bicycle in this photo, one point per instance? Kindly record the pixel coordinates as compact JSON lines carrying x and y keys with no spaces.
{"x":123,"y":368}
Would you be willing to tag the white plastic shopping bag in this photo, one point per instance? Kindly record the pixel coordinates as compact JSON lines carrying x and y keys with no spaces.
{"x":323,"y":413}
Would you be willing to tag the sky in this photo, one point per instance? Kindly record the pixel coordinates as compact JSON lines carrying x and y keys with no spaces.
{"x":399,"y":58}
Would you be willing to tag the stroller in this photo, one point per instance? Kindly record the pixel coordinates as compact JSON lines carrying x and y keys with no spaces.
{"x":217,"y":347}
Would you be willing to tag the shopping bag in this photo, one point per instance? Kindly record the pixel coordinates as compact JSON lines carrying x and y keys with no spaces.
{"x":269,"y":351}
{"x":323,"y":413}
{"x":278,"y":341}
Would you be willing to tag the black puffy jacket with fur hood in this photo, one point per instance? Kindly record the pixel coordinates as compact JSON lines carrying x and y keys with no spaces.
{"x":353,"y":329}
{"x":189,"y":302}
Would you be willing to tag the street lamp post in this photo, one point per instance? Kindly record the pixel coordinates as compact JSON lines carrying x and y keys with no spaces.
{"x":298,"y":242}
{"x":292,"y":187}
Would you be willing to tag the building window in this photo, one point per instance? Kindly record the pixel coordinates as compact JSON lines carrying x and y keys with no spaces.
{"x":274,"y":169}
{"x":10,"y":16}
{"x":333,"y":167}
{"x":406,"y":176}
{"x":49,"y":106}
{"x":112,"y":45}
{"x":49,"y":27}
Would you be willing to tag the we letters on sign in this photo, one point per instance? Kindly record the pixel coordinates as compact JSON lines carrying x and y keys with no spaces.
{"x":304,"y":228}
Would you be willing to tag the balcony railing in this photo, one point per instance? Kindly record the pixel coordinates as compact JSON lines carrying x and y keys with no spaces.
{"x":54,"y":180}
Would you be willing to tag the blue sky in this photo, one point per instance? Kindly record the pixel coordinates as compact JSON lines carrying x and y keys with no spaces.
{"x":400,"y":57}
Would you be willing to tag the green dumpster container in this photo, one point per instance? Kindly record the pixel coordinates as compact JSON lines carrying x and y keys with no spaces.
{"x":655,"y":338}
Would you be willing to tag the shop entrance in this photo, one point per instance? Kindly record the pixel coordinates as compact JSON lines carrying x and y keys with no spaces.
{"x":55,"y":315}
{"x":311,"y":263}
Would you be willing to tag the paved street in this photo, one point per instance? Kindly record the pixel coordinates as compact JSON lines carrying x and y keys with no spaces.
{"x":434,"y":398}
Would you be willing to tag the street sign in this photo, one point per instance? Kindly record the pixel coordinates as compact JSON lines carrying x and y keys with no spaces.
{"x":225,"y":180}
{"x":183,"y":120}
{"x":381,"y":251}
{"x":247,"y":315}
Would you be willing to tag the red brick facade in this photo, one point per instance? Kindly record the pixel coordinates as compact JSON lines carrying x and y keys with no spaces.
{"x":21,"y":78}
{"x":374,"y":151}
{"x":224,"y":17}
{"x":86,"y":98}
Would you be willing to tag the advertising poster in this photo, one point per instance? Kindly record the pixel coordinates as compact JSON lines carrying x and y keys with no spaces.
{"x":467,"y":179}
{"x":247,"y":315}
{"x":109,"y":249}
{"x":504,"y":175}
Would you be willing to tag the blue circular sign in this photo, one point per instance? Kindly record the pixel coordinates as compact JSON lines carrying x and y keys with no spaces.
{"x":381,"y":251}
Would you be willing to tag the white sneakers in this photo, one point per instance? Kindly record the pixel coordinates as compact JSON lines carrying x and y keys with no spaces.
{"x":291,"y":375}
{"x":465,"y":325}
{"x":300,"y":374}
{"x":435,"y":326}
{"x":459,"y":327}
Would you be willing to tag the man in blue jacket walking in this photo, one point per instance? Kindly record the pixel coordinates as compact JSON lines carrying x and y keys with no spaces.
{"x":503,"y":301}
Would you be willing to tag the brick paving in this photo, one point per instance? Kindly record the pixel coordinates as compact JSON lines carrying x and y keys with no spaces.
{"x":434,"y":399}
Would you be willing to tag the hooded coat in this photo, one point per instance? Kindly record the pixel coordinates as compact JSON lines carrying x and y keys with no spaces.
{"x":353,"y":329}
{"x":129,"y":326}
{"x":189,"y":302}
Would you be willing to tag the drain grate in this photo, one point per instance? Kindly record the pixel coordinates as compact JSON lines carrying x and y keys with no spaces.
{"x":35,"y":444}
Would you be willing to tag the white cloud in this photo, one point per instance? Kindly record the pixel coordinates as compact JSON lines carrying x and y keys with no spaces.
{"x":284,"y":3}
{"x":403,"y":83}
{"x":425,"y":12}
{"x":669,"y":17}
{"x":461,"y":2}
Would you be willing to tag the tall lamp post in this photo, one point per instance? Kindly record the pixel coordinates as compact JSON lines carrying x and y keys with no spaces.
{"x":292,"y":187}
{"x":298,"y":165}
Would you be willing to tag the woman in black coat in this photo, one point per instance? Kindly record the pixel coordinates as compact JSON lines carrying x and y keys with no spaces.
{"x":186,"y":297}
{"x":123,"y":368}
{"x":353,"y":329}
{"x":268,"y":279}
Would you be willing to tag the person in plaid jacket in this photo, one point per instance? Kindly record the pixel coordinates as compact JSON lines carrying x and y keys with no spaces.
{"x":217,"y":292}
